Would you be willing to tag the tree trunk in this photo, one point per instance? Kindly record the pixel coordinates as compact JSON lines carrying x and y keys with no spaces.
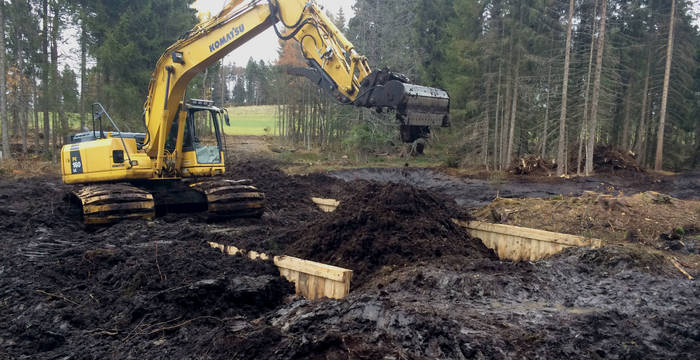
{"x":223,"y":84}
{"x":45,"y":73}
{"x":58,"y":122}
{"x":83,"y":69}
{"x":504,"y":123}
{"x":495,"y":129}
{"x":513,"y":112}
{"x":485,"y":145}
{"x":664,"y":97}
{"x":24,"y":118}
{"x":564,"y":93}
{"x":54,"y":135}
{"x":35,"y":101}
{"x":545,"y":129}
{"x":641,"y":130}
{"x":626,"y":122}
{"x":584,"y":122}
{"x":596,"y":91}
{"x":3,"y":100}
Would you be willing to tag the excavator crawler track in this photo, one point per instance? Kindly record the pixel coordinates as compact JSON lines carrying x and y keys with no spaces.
{"x":231,"y":198}
{"x":108,"y":203}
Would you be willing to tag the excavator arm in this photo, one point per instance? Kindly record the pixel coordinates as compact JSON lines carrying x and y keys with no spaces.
{"x":138,"y":175}
{"x":333,"y":64}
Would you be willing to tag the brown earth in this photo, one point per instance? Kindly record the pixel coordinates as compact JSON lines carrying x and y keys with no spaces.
{"x":154,"y":289}
{"x":651,"y":218}
{"x":384,"y":226}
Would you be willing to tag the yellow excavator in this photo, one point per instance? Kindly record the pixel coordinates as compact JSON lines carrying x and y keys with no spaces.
{"x":172,"y":167}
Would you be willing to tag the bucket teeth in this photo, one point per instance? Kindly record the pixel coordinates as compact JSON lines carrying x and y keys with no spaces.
{"x":109,"y":203}
{"x":231,"y":198}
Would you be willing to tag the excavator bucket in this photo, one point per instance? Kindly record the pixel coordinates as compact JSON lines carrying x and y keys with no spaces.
{"x":417,"y":107}
{"x":108,"y":203}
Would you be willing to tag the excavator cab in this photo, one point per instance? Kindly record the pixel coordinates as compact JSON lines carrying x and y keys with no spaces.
{"x":202,"y":146}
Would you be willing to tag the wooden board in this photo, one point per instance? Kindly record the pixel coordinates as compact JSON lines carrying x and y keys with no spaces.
{"x":315,"y":280}
{"x":312,"y":280}
{"x":326,"y":205}
{"x":523,"y":244}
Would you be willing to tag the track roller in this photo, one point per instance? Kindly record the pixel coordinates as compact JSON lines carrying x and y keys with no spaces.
{"x":109,"y":203}
{"x":231,"y":198}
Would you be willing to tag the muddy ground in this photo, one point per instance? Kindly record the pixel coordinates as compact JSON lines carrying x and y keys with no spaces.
{"x":423,"y":288}
{"x":475,"y":192}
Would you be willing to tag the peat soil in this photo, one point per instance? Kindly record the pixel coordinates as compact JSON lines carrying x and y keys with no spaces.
{"x":423,"y":288}
{"x":477,"y":192}
{"x":135,"y":289}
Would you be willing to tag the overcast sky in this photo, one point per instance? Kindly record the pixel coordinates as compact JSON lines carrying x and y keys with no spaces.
{"x":264,"y":46}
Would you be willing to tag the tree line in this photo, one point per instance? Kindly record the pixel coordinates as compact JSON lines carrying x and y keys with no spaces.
{"x":559,"y":78}
{"x":546,"y":77}
{"x":48,"y":92}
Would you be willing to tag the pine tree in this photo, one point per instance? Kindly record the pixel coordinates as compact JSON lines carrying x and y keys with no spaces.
{"x":664,"y":98}
{"x":596,"y":91}
{"x":564,"y":93}
{"x":3,"y":103}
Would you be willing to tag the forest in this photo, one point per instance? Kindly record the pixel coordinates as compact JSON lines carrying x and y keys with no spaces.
{"x":552,"y":78}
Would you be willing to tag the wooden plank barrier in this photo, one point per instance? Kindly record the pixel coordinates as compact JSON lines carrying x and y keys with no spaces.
{"x":509,"y":242}
{"x":523,"y":244}
{"x":326,"y":205}
{"x":315,"y":280}
{"x":312,"y":280}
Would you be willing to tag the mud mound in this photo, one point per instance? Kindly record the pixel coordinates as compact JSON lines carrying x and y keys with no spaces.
{"x":384,"y":225}
{"x":531,"y":165}
{"x":610,"y":160}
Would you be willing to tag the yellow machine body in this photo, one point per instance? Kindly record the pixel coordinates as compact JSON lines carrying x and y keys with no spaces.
{"x":95,"y":161}
{"x":168,"y":151}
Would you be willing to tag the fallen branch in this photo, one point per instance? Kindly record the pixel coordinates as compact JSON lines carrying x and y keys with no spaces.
{"x":100,"y":331}
{"x":162,"y":278}
{"x":185,"y":323}
{"x":678,"y":266}
{"x":58,"y":296}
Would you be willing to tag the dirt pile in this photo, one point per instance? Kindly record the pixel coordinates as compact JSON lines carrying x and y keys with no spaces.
{"x":609,"y":159}
{"x":286,"y":195}
{"x":531,"y":165}
{"x":384,"y":225}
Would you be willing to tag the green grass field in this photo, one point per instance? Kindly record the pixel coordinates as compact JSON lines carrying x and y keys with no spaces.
{"x":251,"y":120}
{"x":245,"y":120}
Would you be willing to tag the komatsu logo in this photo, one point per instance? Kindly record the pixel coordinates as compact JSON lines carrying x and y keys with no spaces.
{"x":235,"y":31}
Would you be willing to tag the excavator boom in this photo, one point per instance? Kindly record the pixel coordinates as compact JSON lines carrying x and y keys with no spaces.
{"x":136,"y":175}
{"x":333,"y":64}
